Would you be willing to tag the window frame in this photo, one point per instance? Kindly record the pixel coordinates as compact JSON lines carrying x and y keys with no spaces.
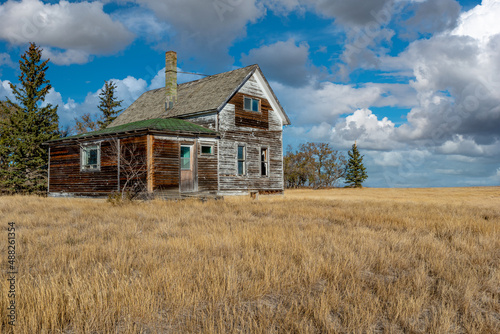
{"x":266,"y":162}
{"x":251,"y":104}
{"x":243,"y":160}
{"x":84,"y":156}
{"x":181,"y":157}
{"x":207,"y":145}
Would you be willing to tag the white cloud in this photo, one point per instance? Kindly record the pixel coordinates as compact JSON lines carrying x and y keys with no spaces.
{"x":285,"y":62}
{"x":365,"y":128}
{"x":388,"y":159}
{"x":481,"y":22}
{"x":158,"y":80}
{"x":457,"y":105}
{"x":325,"y":101}
{"x":460,"y":145}
{"x":143,"y":22}
{"x":5,"y":60}
{"x":80,"y":28}
{"x":354,"y":12}
{"x":204,"y":29}
{"x":67,"y":57}
{"x":5,"y":90}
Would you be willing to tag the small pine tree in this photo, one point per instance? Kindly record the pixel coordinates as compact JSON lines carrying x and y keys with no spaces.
{"x":108,"y":104}
{"x":27,"y":125}
{"x":355,"y":170}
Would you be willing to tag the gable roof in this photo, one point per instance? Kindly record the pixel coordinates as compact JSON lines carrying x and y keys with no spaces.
{"x":206,"y":94}
{"x":170,"y":125}
{"x":209,"y":94}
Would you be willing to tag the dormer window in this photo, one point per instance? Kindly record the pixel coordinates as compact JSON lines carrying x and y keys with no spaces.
{"x":252,"y":104}
{"x":90,"y":157}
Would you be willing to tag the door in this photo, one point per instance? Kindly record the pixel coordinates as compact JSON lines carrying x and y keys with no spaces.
{"x":188,"y":172}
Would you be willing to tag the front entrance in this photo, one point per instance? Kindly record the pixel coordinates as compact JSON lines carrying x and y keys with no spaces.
{"x":188,"y":173}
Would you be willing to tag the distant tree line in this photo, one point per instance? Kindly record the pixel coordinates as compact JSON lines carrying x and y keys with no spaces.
{"x":318,"y":165}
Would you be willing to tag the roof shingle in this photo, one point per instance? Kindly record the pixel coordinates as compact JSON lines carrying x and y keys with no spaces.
{"x":193,"y":97}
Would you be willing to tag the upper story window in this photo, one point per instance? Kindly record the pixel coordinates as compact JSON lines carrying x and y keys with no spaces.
{"x":90,"y":157}
{"x":252,"y":104}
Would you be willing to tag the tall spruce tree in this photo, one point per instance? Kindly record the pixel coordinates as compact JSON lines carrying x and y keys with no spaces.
{"x":355,"y":171}
{"x":109,"y":104}
{"x":26,"y":125}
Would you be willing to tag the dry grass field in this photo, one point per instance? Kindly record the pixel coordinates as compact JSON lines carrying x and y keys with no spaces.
{"x":326,"y":261}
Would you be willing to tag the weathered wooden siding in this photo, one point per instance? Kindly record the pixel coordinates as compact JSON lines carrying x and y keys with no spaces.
{"x":207,"y":121}
{"x":66,"y":176}
{"x":250,"y":119}
{"x":229,"y":181}
{"x":133,"y":156}
{"x":207,"y":168}
{"x":166,"y":165}
{"x":253,"y":89}
{"x":255,"y":131}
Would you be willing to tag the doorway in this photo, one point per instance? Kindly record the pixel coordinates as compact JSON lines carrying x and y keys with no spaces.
{"x":188,"y":173}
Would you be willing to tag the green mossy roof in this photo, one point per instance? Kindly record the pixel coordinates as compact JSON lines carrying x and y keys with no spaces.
{"x":157,"y":124}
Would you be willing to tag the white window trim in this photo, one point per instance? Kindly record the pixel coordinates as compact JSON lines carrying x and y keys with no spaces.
{"x":244,"y":160}
{"x":251,"y":103}
{"x":211,"y":145}
{"x":85,"y":167}
{"x":267,"y":161}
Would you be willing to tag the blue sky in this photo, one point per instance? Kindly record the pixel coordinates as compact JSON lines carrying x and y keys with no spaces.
{"x":416,"y":83}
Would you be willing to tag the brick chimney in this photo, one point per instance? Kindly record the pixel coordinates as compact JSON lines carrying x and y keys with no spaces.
{"x":170,"y":79}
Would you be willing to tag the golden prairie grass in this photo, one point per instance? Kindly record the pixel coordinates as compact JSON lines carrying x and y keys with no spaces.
{"x":327,"y":261}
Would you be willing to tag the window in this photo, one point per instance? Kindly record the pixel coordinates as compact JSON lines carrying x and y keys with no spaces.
{"x":90,"y":157}
{"x":241,"y":160}
{"x":185,"y":158}
{"x":264,"y":162}
{"x":252,"y":104}
{"x":206,"y":150}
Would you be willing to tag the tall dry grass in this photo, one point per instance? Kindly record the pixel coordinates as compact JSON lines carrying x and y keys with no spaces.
{"x":337,"y":261}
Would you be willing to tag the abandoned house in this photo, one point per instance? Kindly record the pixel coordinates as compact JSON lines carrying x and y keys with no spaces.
{"x":219,"y":135}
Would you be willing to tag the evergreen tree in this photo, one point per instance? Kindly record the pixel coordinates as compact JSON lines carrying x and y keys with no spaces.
{"x":108,"y":104}
{"x":355,"y":171}
{"x":26,"y":125}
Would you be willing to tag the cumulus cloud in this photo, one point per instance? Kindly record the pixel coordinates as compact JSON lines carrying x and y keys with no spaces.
{"x":127,"y":90}
{"x":319,"y":102}
{"x":432,"y":16}
{"x":325,"y":101}
{"x":457,"y":89}
{"x":81,"y":28}
{"x":354,"y":12}
{"x":285,"y":62}
{"x":365,"y":128}
{"x":5,"y":90}
{"x":205,"y":29}
{"x":66,"y":57}
{"x":143,"y":22}
{"x":357,"y":12}
{"x":481,"y":22}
